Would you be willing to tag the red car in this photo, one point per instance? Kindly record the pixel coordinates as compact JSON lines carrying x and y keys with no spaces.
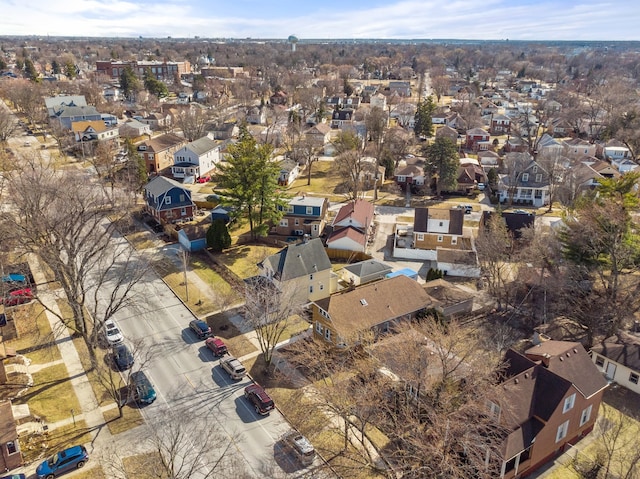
{"x":217,"y":346}
{"x":204,"y":179}
{"x":19,"y":296}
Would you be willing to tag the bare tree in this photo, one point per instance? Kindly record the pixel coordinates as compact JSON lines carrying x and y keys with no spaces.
{"x":269,"y":311}
{"x":192,"y":121}
{"x":8,"y":124}
{"x":63,"y":219}
{"x":348,"y":162}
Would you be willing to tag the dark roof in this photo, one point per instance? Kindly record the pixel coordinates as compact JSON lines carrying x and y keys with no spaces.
{"x":623,"y":349}
{"x":7,"y":423}
{"x":455,"y":217}
{"x":515,"y":222}
{"x":446,"y":293}
{"x":299,"y":260}
{"x":369,"y":267}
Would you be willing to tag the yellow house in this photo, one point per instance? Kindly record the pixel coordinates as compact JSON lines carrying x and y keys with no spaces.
{"x":343,"y":318}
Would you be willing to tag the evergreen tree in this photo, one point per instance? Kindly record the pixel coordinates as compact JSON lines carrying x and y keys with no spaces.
{"x":70,"y":69}
{"x":442,"y":162}
{"x":218,"y":237}
{"x":153,"y":85}
{"x":249,"y":182}
{"x":348,"y":89}
{"x":128,"y":82}
{"x":30,"y":70}
{"x":55,"y":67}
{"x":424,"y":112}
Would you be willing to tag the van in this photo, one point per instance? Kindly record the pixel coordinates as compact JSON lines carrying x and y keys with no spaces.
{"x":300,"y":446}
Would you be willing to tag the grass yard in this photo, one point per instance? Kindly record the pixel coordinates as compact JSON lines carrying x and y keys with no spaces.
{"x":35,"y":338}
{"x":223,"y":328}
{"x":51,"y":389}
{"x":36,"y":447}
{"x":243,"y":260}
{"x":143,"y":466}
{"x":131,"y":418}
{"x":140,"y":240}
{"x":324,"y":180}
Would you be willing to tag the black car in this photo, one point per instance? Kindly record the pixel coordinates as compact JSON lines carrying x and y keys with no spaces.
{"x":201,"y":328}
{"x":122,"y":357}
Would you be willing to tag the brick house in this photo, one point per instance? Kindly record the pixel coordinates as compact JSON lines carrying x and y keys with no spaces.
{"x":477,"y":139}
{"x":10,"y":455}
{"x":167,"y":200}
{"x":158,"y":152}
{"x":552,"y":395}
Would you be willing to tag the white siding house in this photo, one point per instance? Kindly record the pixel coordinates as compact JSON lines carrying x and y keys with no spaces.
{"x":203,"y":154}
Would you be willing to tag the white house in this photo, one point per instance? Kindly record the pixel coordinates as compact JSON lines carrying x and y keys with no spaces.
{"x":618,"y":357}
{"x":616,"y":153}
{"x":197,"y":158}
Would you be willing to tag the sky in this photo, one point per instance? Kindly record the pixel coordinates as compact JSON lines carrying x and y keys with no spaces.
{"x":350,"y":19}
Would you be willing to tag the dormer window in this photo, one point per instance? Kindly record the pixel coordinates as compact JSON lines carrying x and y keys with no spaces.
{"x":167,"y":200}
{"x":525,"y":177}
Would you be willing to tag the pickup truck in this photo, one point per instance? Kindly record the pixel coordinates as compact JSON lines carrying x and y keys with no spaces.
{"x":233,"y":367}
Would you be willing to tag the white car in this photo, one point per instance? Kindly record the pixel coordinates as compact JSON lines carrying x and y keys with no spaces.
{"x":112,"y":332}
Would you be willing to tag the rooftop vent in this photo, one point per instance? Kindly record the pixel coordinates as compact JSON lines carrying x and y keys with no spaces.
{"x":363,"y":302}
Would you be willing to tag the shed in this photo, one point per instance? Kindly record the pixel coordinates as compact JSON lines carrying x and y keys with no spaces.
{"x":193,"y":237}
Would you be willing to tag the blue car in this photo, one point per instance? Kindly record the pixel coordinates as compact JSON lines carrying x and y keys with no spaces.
{"x":72,"y":458}
{"x":142,"y":388}
{"x":14,"y":278}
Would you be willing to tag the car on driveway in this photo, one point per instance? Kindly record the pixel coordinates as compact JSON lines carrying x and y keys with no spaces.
{"x":217,"y":346}
{"x":204,"y":179}
{"x":18,"y":296}
{"x":467,"y":209}
{"x":262,"y":402}
{"x":122,"y":357}
{"x":112,"y":332}
{"x":233,"y":367}
{"x":72,"y":458}
{"x":141,"y":388}
{"x":201,"y":328}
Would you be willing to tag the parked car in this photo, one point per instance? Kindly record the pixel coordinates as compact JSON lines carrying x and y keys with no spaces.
{"x":112,"y":332}
{"x":262,"y":402}
{"x":14,"y":476}
{"x":201,"y":328}
{"x":300,"y":446}
{"x":122,"y":357}
{"x":14,"y":278}
{"x":72,"y":458}
{"x":467,"y":209}
{"x":203,"y":179}
{"x":18,"y":296}
{"x":217,"y":346}
{"x":233,"y":367}
{"x":141,"y":388}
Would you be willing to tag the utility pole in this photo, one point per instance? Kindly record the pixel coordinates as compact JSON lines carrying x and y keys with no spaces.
{"x":184,"y":254}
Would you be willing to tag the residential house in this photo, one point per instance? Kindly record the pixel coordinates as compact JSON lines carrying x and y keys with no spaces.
{"x":624,"y":165}
{"x":318,"y":135}
{"x":157,"y":120}
{"x":487,"y":107}
{"x":225,"y":131}
{"x":615,"y":152}
{"x":94,"y":130}
{"x":447,"y":132}
{"x":158,"y":152}
{"x":256,"y":115}
{"x":455,"y":121}
{"x":289,"y":171}
{"x":576,"y":148}
{"x":10,"y":455}
{"x":362,"y":272}
{"x":434,"y":228}
{"x":404,"y":114}
{"x":134,"y":129}
{"x":302,"y":268}
{"x":401,"y":88}
{"x":477,"y":139}
{"x":168,"y":201}
{"x":588,"y":172}
{"x":379,"y":100}
{"x":547,"y":145}
{"x":344,"y":318}
{"x":198,"y":158}
{"x":279,"y":98}
{"x":66,"y":115}
{"x":552,"y":395}
{"x":528,"y":187}
{"x":559,"y":127}
{"x":409,"y":175}
{"x":56,"y":103}
{"x":515,"y":222}
{"x":618,"y":357}
{"x":303,"y":215}
{"x":500,"y":124}
{"x":340,"y":118}
{"x":488,"y":160}
{"x":351,"y":227}
{"x":470,"y":173}
{"x":451,"y":300}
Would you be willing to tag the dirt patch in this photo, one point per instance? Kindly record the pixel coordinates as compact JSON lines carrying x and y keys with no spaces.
{"x":623,"y":400}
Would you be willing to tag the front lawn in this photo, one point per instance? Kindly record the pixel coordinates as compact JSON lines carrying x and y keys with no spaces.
{"x":35,"y":338}
{"x":35,"y":447}
{"x":243,"y":260}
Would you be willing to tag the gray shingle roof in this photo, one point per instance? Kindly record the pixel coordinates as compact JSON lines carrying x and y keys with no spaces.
{"x":299,"y":260}
{"x":202,"y":145}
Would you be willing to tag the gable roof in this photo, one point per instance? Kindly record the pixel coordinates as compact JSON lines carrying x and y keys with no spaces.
{"x":454,"y":216}
{"x":80,"y":126}
{"x":161,"y":185}
{"x":299,"y":260}
{"x":446,"y":293}
{"x":515,"y":222}
{"x":354,"y":234}
{"x":366,"y":306}
{"x":319,"y":128}
{"x":623,"y":349}
{"x":367,"y":268}
{"x":359,"y":210}
{"x":70,"y":111}
{"x":202,"y":145}
{"x":163,"y":142}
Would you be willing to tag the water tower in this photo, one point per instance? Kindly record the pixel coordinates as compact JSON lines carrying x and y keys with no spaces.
{"x":293,"y":40}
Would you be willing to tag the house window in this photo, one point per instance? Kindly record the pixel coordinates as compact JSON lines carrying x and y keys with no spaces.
{"x":290,"y":209}
{"x":315,"y":227}
{"x":319,"y":327}
{"x":311,"y":277}
{"x":309,"y":210}
{"x":454,"y":240}
{"x":568,"y":403}
{"x":441,"y":224}
{"x":297,"y":221}
{"x":321,"y":286}
{"x":327,"y":334}
{"x":535,"y":169}
{"x":181,"y":198}
{"x":562,"y":431}
{"x":284,"y":222}
{"x":310,"y":289}
{"x":183,"y":212}
{"x":12,"y":447}
{"x":167,"y":200}
{"x":440,"y":238}
{"x":633,"y":378}
{"x":599,"y":361}
{"x":420,"y":236}
{"x":538,"y":193}
{"x":525,"y":177}
{"x":586,"y":415}
{"x":539,"y":178}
